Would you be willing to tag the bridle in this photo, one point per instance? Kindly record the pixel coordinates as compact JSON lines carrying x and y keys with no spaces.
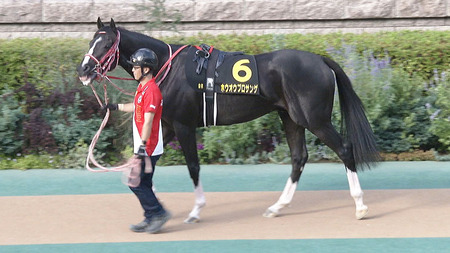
{"x":103,"y":66}
{"x":112,"y":56}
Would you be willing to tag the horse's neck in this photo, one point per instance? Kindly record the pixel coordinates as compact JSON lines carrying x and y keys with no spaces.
{"x":132,"y":41}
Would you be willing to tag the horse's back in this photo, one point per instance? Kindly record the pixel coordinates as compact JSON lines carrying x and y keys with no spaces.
{"x":298,"y":69}
{"x":301,"y":81}
{"x":286,"y":56}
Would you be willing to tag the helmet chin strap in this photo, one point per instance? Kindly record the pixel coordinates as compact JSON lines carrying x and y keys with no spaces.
{"x":143,"y":74}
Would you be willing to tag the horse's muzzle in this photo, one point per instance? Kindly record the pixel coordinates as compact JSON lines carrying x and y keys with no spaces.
{"x":86,"y":80}
{"x":86,"y":74}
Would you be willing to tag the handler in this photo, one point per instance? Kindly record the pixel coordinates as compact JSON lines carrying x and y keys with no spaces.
{"x":147,"y":135}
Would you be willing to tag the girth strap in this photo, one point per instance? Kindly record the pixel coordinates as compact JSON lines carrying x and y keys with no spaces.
{"x":210,"y":96}
{"x":202,"y":57}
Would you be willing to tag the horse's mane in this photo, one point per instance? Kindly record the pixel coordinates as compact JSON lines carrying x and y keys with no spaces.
{"x":140,"y":36}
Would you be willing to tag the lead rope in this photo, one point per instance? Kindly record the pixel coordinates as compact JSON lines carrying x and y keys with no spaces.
{"x":131,"y":163}
{"x":132,"y":168}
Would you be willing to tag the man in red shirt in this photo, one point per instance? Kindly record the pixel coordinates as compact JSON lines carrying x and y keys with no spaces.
{"x":147,"y":135}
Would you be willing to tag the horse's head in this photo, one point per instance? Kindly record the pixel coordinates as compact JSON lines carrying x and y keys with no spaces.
{"x":103,"y":54}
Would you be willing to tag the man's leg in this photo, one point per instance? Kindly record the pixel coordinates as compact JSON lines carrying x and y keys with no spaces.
{"x":147,"y":198}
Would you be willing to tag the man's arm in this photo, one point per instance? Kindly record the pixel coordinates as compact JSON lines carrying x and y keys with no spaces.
{"x":147,"y":127}
{"x":126,"y":107}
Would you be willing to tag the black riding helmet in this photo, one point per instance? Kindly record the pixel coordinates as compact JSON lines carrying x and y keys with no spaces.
{"x":144,"y":57}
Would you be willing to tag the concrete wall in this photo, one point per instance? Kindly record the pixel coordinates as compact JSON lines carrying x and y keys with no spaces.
{"x":76,"y":18}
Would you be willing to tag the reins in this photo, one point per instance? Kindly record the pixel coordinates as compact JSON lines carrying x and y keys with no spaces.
{"x":132,"y":166}
{"x":168,"y":64}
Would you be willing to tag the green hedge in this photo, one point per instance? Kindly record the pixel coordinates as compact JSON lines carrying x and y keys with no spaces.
{"x":419,"y":52}
{"x":400,"y":77}
{"x":45,"y":62}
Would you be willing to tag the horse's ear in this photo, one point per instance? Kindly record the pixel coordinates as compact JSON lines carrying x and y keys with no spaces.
{"x":113,"y":25}
{"x":100,"y":23}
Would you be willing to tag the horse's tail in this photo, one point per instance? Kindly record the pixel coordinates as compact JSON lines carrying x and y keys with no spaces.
{"x":355,"y":126}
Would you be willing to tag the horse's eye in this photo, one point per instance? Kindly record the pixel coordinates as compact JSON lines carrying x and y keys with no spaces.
{"x":108,"y":44}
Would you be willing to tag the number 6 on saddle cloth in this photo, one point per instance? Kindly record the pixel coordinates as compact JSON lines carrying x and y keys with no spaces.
{"x":232,"y":73}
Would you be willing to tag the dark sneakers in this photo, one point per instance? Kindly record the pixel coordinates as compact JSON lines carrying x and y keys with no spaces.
{"x":154,"y":226}
{"x":157,"y":222}
{"x":140,"y":227}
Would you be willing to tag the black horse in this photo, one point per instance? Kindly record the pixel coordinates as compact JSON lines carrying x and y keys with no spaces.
{"x":299,"y":85}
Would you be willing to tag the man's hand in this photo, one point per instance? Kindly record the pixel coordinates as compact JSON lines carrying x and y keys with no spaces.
{"x":141,"y":151}
{"x":112,"y":107}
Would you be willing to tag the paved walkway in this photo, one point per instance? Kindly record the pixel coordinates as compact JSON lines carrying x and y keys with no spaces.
{"x":229,"y":178}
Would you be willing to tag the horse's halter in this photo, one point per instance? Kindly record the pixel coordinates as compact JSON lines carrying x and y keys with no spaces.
{"x":112,"y":56}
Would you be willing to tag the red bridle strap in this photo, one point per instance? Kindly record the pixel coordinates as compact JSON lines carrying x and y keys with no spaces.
{"x":112,"y":56}
{"x":168,"y":64}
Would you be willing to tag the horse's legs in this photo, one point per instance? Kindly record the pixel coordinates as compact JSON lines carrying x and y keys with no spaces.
{"x":200,"y":202}
{"x":295,"y":136}
{"x":357,"y":194}
{"x":332,"y":139}
{"x":186,"y":137}
{"x":168,"y":134}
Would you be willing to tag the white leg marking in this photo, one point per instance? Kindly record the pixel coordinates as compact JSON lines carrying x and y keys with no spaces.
{"x":200,"y":202}
{"x":284,"y":200}
{"x":357,"y":194}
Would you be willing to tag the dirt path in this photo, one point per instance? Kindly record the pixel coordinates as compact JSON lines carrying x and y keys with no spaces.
{"x":227,"y":216}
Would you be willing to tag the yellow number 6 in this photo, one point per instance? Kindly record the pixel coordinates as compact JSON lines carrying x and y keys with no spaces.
{"x":238,"y":67}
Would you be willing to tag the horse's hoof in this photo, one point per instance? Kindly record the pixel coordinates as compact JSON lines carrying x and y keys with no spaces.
{"x":270,"y":214}
{"x":360,"y":214}
{"x":191,"y":220}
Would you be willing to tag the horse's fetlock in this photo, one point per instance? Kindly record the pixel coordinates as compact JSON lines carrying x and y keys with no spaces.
{"x":200,"y":204}
{"x":356,"y":194}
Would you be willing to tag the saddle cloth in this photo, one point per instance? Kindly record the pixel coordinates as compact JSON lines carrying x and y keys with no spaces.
{"x":211,"y":71}
{"x":234,"y":72}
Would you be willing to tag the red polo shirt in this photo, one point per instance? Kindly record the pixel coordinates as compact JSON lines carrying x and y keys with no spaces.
{"x":148,"y":98}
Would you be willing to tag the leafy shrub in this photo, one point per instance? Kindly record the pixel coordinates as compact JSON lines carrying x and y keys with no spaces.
{"x":68,"y":129}
{"x":35,"y":161}
{"x":281,"y":154}
{"x":75,"y":158}
{"x":404,"y":124}
{"x":419,"y":52}
{"x":11,"y":119}
{"x":236,"y":143}
{"x":45,"y":62}
{"x":440,"y":111}
{"x":394,"y":100}
{"x":38,"y":134}
{"x":173,"y":154}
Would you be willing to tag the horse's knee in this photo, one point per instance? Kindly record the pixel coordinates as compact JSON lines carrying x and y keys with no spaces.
{"x":298,"y":163}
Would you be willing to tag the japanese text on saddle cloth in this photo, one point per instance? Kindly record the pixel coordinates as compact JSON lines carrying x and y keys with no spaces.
{"x":231,"y":73}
